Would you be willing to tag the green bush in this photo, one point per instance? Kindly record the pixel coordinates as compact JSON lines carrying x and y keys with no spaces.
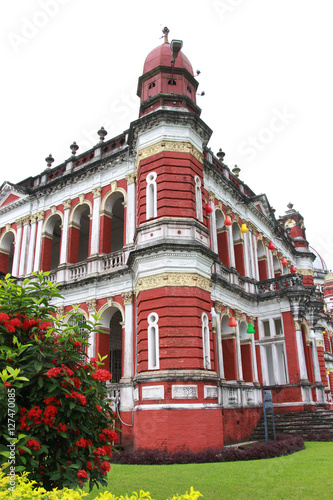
{"x":55,"y":421}
{"x":23,"y":488}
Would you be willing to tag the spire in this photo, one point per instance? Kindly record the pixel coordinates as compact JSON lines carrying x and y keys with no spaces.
{"x":165,"y":32}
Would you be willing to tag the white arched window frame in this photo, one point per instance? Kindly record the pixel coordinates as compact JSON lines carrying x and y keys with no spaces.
{"x":153,"y":342}
{"x":205,"y":341}
{"x":198,"y":198}
{"x":151,"y":196}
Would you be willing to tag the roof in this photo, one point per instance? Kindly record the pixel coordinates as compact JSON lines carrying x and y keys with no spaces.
{"x":162,"y":55}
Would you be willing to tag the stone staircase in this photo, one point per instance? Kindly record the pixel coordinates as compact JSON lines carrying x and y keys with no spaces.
{"x":319,"y":421}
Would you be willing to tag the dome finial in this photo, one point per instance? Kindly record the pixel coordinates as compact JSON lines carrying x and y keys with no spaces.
{"x":165,"y":32}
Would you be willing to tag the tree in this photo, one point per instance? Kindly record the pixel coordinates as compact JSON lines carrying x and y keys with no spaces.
{"x":55,"y":419}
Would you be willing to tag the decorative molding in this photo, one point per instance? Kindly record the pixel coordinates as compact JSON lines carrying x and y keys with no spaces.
{"x":33,"y":218}
{"x":211,"y":196}
{"x":297,"y":325}
{"x":218,"y":307}
{"x":97,"y":192}
{"x":128,"y":297}
{"x":26,"y":220}
{"x":306,"y":272}
{"x":113,"y":185}
{"x":40,"y":215}
{"x":172,"y":279}
{"x":91,"y":305}
{"x":81,"y":197}
{"x":184,"y":392}
{"x":174,"y":146}
{"x":60,"y":311}
{"x":153,"y":392}
{"x":319,"y":343}
{"x":210,"y":392}
{"x":238,"y":314}
{"x":67,"y":204}
{"x":131,"y":178}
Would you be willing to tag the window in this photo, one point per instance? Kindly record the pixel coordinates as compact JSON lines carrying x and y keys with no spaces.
{"x":153,"y":342}
{"x":172,"y":82}
{"x":273,"y":351}
{"x":205,"y":341}
{"x":198,"y":198}
{"x":78,"y":321}
{"x":152,"y":85}
{"x":151,"y":196}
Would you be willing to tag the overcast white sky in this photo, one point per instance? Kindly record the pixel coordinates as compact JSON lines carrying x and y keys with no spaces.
{"x":70,"y":66}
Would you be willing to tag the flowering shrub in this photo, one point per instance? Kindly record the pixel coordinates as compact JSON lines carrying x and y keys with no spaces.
{"x":26,"y":489}
{"x":285,"y":445}
{"x":62,"y":428}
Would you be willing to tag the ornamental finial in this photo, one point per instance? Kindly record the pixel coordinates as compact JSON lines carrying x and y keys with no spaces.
{"x":165,"y":32}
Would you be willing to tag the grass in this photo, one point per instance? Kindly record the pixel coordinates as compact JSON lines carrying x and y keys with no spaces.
{"x":303,"y":475}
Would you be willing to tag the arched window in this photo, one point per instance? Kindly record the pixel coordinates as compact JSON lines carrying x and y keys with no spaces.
{"x":153,"y":342}
{"x":79,"y":234}
{"x":198,"y":198}
{"x":262,"y":261}
{"x":77,"y":321}
{"x":51,"y":243}
{"x":222,"y":239}
{"x":151,"y":196}
{"x":116,"y":350}
{"x":238,"y":249}
{"x":7,"y":252}
{"x":228,"y":338}
{"x":205,"y":342}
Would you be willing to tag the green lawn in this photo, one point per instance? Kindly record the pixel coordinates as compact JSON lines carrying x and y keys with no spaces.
{"x":307,"y":474}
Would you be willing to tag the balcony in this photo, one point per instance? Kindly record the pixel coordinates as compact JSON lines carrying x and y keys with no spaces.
{"x":251,"y":289}
{"x":93,"y":266}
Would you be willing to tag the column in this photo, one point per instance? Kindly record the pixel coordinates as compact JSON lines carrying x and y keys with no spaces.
{"x":247,"y":263}
{"x":128,"y":368}
{"x":95,"y":223}
{"x":216,"y":313}
{"x":315,"y":360}
{"x":130,"y":222}
{"x":17,"y":248}
{"x":300,"y":352}
{"x":255,"y":254}
{"x":25,"y":239}
{"x":64,"y":232}
{"x":276,"y":369}
{"x":231,"y":247}
{"x":38,"y":245}
{"x":264,"y":366}
{"x":238,"y":348}
{"x":253,"y":351}
{"x":213,"y":230}
{"x":32,"y":242}
{"x":92,"y":305}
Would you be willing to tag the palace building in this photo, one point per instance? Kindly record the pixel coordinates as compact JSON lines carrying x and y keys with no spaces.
{"x":205,"y":297}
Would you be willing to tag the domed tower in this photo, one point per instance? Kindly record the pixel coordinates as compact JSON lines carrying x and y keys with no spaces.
{"x":167,"y":79}
{"x":175,"y":382}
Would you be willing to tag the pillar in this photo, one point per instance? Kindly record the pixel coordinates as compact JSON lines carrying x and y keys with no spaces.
{"x":32,"y":243}
{"x":64,"y":232}
{"x":95,"y":223}
{"x":38,"y":244}
{"x":24,"y":246}
{"x":300,"y":352}
{"x":130,"y":213}
{"x":17,"y":248}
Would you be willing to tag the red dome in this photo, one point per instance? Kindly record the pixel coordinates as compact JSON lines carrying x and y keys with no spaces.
{"x":162,"y":55}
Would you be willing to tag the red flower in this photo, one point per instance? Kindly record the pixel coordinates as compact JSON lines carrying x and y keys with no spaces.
{"x":77,"y":382}
{"x":98,"y":408}
{"x":105,"y":466}
{"x":16,"y":322}
{"x":35,"y":414}
{"x":52,"y":399}
{"x":100,"y":452}
{"x":45,"y":325}
{"x":76,"y":395}
{"x":7,"y":384}
{"x":93,"y":362}
{"x":77,"y":343}
{"x":82,"y":473}
{"x":4,"y":317}
{"x":32,"y":443}
{"x":53,"y":372}
{"x":61,"y":427}
{"x":107,"y":450}
{"x":49,"y":414}
{"x":83,"y":443}
{"x":111,"y":435}
{"x":9,"y":327}
{"x":102,"y":375}
{"x":89,"y":466}
{"x":102,"y":437}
